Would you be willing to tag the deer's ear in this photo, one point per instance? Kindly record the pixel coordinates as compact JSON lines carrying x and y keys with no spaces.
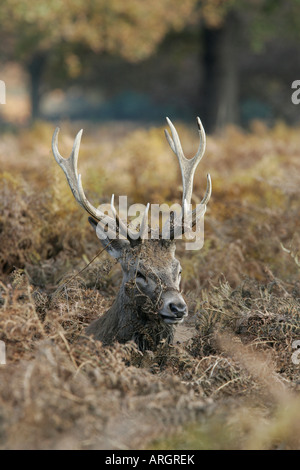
{"x":114,"y":247}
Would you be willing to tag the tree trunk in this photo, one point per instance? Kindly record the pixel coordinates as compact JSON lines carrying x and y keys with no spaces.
{"x":35,"y":68}
{"x":221,"y":75}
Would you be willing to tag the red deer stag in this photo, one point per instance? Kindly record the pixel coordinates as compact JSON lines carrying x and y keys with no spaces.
{"x":149,"y":303}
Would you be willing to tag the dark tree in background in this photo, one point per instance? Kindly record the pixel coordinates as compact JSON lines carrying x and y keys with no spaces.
{"x":247,"y":46}
{"x":220,"y":88}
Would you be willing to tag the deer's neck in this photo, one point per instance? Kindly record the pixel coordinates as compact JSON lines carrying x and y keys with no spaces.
{"x":126,"y":320}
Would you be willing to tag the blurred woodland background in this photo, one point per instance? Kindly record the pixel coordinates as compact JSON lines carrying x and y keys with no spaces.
{"x":116,"y":68}
{"x":228,"y":61}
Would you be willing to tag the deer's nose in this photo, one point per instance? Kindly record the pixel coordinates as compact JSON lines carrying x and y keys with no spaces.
{"x":179,"y":309}
{"x":174,"y":308}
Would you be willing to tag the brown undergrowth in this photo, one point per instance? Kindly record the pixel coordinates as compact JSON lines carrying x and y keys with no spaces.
{"x":233,"y":382}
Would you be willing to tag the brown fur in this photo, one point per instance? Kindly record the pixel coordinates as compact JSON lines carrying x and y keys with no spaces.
{"x":136,"y":312}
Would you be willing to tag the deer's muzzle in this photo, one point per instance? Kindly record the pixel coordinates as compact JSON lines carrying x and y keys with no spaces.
{"x":174,"y":308}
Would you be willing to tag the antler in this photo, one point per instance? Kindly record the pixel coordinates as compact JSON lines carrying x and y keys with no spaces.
{"x":69,"y":167}
{"x":188,"y":168}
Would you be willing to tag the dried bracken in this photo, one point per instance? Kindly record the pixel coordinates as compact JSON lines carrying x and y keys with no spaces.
{"x":231,"y":378}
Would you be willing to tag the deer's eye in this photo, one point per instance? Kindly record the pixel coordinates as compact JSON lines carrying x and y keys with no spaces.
{"x":140,"y":276}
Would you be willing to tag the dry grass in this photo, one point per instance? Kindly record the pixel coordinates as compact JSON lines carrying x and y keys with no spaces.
{"x":233,"y":384}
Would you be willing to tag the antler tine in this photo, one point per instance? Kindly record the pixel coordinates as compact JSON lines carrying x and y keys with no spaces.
{"x":202,"y":144}
{"x":208,"y":191}
{"x":68,"y":165}
{"x":187,"y":166}
{"x":174,"y":143}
